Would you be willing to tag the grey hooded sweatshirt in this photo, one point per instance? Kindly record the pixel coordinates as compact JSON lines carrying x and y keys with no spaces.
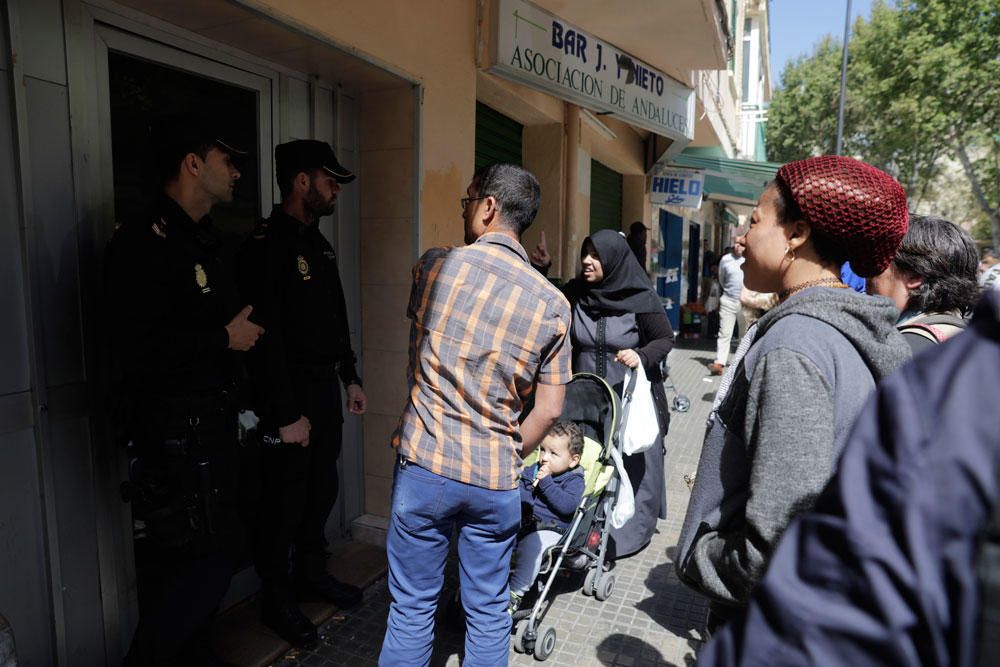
{"x":794,"y":398}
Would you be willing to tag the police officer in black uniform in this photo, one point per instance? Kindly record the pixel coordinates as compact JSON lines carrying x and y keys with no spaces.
{"x":177,"y":328}
{"x":288,"y":270}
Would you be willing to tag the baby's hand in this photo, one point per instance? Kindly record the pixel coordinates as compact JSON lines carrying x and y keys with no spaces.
{"x":543,"y":472}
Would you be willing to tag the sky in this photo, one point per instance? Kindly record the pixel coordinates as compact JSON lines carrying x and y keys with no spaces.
{"x":796,"y":26}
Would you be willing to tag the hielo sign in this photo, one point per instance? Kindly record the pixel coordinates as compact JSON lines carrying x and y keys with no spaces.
{"x":676,"y":188}
{"x":533,"y":47}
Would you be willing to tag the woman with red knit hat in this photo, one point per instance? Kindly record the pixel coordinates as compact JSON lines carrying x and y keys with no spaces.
{"x":814,"y":359}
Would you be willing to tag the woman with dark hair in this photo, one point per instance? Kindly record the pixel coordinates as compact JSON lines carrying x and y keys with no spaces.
{"x":619,"y":323}
{"x":932,"y":280}
{"x":814,"y":359}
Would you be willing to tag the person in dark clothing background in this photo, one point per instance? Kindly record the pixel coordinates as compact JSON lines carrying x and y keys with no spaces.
{"x":637,"y":242}
{"x":288,"y":270}
{"x":176,"y":327}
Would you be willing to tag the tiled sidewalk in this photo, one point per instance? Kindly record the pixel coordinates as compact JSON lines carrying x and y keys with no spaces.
{"x":651,"y":618}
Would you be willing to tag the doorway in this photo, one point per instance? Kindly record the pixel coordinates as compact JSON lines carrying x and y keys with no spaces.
{"x":142,"y":91}
{"x":693,"y":261}
{"x":146,"y":82}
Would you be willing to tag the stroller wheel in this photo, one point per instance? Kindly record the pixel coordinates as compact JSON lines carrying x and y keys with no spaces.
{"x":682,"y":404}
{"x":605,"y":586}
{"x":588,"y":583}
{"x":546,"y":643}
{"x":519,"y":631}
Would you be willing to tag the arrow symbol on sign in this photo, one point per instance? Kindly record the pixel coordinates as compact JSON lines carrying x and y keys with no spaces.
{"x":518,"y":17}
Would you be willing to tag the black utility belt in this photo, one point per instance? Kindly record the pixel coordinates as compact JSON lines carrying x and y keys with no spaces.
{"x":199,"y":403}
{"x":315,"y":371}
{"x":184,"y":414}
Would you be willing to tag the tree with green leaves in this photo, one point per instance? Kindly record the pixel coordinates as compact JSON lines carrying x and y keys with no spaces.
{"x":923,"y":91}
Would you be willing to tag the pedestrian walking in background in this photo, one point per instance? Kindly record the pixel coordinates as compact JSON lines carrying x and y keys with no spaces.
{"x":730,"y":312}
{"x":288,"y":271}
{"x":487,"y":330}
{"x":989,"y":271}
{"x":637,"y":242}
{"x":932,"y":281}
{"x":814,"y":359}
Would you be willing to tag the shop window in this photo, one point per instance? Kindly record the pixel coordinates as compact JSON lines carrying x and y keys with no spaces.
{"x":498,"y":138}
{"x":605,"y":198}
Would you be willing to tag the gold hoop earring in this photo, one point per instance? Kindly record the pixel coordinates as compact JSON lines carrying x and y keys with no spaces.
{"x":789,"y":251}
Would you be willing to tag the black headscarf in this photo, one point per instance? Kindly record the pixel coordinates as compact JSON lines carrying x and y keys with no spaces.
{"x":625,"y":287}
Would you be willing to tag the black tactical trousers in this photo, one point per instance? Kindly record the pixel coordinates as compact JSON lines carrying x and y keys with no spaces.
{"x":185,"y":476}
{"x":298,"y":489}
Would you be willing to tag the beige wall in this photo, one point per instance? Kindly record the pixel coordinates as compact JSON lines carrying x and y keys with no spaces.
{"x":433,"y":44}
{"x":388,"y":235}
{"x":543,"y":147}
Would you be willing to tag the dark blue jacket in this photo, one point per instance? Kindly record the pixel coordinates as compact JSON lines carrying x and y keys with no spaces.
{"x":555,"y":498}
{"x":882,"y":570}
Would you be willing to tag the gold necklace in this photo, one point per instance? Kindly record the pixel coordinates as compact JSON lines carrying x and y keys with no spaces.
{"x":829,"y":282}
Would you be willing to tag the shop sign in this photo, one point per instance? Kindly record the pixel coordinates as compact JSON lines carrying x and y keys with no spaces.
{"x":536,"y":48}
{"x":672,"y":187}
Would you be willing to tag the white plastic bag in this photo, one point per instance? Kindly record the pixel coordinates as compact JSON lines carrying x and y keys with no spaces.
{"x":625,"y":501}
{"x":641,"y":429}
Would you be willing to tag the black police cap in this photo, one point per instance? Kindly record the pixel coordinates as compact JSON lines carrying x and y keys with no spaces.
{"x":308,"y":154}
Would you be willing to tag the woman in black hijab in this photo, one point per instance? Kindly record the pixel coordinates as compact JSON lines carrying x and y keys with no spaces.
{"x":619,"y":323}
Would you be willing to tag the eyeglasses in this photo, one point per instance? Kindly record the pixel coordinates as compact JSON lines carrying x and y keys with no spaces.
{"x":465,"y":201}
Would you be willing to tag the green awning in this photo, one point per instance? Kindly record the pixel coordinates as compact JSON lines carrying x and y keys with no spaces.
{"x":740,"y":181}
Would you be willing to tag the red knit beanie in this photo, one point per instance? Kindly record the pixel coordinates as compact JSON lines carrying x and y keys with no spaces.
{"x":855,"y":205}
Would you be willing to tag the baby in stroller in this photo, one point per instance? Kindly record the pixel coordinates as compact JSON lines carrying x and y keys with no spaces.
{"x":550,"y":493}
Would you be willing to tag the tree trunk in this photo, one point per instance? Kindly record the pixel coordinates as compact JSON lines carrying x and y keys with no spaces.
{"x":977,"y":191}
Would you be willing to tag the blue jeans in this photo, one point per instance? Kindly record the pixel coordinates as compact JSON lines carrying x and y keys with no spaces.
{"x":425,"y":510}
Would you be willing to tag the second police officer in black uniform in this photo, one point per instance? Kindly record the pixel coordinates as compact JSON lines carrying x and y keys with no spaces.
{"x":288,"y":271}
{"x":177,"y":328}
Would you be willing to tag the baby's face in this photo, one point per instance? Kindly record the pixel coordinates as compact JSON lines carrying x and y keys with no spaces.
{"x":555,"y":454}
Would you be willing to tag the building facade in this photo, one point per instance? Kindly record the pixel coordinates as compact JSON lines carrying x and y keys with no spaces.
{"x":411,"y":95}
{"x":728,"y":149}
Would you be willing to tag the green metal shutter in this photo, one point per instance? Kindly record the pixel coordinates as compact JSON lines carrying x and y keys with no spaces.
{"x":605,"y":198}
{"x":498,"y":138}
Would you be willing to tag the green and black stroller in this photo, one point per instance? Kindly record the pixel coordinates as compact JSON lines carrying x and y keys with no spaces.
{"x":595,"y":407}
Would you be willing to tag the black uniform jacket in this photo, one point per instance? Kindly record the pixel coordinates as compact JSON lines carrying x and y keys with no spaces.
{"x":171,"y":294}
{"x":288,"y":272}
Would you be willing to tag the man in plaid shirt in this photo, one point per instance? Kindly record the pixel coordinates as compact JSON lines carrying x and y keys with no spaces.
{"x":487,"y":331}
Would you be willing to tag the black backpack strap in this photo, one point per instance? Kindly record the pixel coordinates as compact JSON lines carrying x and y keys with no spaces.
{"x":944,"y":318}
{"x":927,"y":331}
{"x":930,"y":326}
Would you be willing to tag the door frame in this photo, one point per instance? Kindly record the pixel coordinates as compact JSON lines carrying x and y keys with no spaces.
{"x":93,"y":28}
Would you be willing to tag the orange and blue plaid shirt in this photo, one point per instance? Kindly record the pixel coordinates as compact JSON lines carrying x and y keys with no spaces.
{"x":486,"y":328}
